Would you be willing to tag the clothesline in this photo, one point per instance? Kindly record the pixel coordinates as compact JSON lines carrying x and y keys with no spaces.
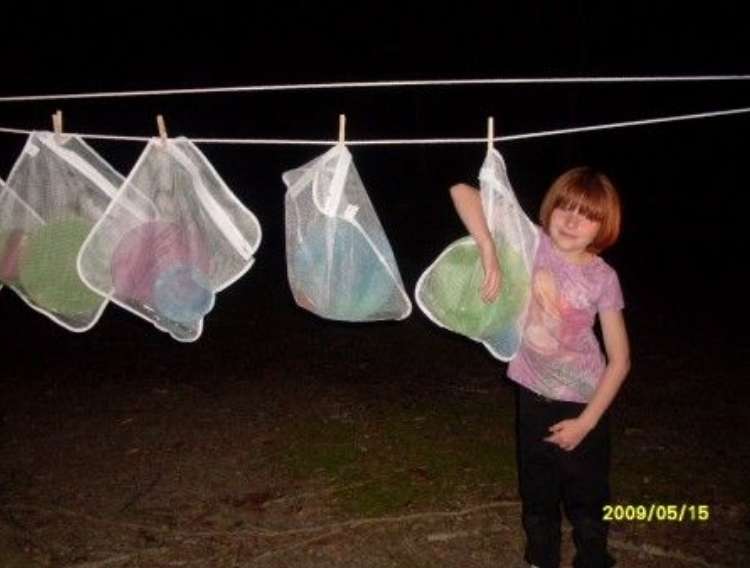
{"x":415,"y":141}
{"x":144,"y":258}
{"x":378,"y":84}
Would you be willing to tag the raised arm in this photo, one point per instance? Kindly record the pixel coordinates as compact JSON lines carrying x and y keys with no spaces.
{"x":468,"y":204}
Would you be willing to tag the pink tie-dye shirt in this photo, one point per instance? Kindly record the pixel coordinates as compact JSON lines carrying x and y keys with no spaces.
{"x":560,"y":357}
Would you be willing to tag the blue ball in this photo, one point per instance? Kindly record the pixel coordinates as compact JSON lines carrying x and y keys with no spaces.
{"x":343,"y":280}
{"x":506,"y":342}
{"x":182,"y":294}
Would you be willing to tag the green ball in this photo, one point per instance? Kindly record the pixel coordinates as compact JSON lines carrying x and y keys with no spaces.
{"x":48,"y":272}
{"x":451,"y":291}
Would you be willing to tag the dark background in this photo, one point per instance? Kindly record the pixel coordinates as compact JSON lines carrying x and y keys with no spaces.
{"x":684,"y":185}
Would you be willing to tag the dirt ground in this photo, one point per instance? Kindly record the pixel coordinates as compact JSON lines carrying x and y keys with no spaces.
{"x":307,"y":443}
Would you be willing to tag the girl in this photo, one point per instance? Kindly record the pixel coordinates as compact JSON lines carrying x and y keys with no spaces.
{"x":565,"y":384}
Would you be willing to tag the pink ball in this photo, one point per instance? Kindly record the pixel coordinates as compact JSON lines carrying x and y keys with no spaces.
{"x":11,"y":248}
{"x":148,"y":250}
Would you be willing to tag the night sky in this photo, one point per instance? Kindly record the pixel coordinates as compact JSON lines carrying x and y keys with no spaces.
{"x":683,"y":185}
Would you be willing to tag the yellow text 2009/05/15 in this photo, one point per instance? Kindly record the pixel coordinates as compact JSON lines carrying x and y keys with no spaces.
{"x":658,"y":512}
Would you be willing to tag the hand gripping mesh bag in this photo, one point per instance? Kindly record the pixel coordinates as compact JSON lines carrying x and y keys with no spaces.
{"x":57,"y":190}
{"x":339,"y":261}
{"x":173,"y":237}
{"x":448,"y":292}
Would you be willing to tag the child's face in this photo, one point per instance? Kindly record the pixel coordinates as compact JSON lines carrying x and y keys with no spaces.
{"x":571,"y":232}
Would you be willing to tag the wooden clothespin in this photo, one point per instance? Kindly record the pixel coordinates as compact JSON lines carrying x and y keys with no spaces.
{"x":162,"y":129}
{"x":342,"y":128}
{"x":57,"y":124}
{"x":490,"y":134}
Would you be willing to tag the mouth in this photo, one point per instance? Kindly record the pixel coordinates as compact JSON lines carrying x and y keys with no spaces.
{"x":566,"y":234}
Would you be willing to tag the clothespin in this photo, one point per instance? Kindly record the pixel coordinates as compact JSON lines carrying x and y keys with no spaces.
{"x":342,"y":128}
{"x":162,"y":129}
{"x":57,"y":124}
{"x":490,"y":134}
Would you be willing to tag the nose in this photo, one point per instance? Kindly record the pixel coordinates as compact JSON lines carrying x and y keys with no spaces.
{"x":571,"y":220}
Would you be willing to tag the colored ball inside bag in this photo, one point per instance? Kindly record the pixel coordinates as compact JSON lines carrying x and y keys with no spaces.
{"x":48,"y":273}
{"x":452,"y":290}
{"x":508,"y":340}
{"x":12,"y":245}
{"x":148,"y":250}
{"x":182,"y":294}
{"x":336,"y":274}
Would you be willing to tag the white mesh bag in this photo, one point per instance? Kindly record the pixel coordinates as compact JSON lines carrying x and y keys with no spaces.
{"x":57,"y":190}
{"x":173,"y":237}
{"x":339,"y":261}
{"x":448,"y":292}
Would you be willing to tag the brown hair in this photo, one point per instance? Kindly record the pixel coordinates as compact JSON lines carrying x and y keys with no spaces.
{"x":593,"y":195}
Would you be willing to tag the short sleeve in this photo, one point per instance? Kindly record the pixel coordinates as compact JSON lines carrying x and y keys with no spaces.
{"x":611,"y":296}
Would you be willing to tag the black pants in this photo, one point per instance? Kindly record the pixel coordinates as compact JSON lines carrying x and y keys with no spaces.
{"x":549,"y":476}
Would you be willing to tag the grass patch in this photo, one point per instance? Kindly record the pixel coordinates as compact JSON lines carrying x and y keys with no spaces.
{"x":410,"y":455}
{"x":319,"y":446}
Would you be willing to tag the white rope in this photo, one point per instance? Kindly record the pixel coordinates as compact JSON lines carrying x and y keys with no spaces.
{"x":413,"y":141}
{"x":377,"y":84}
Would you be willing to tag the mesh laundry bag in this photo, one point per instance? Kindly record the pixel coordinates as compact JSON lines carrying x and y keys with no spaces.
{"x":339,"y":261}
{"x":173,"y":237}
{"x":57,"y":190}
{"x":448,"y":292}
